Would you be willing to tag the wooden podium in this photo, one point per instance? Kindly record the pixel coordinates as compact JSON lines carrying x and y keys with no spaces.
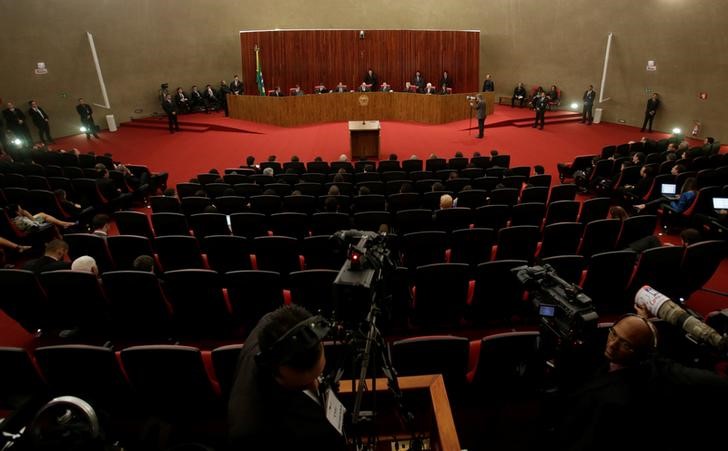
{"x":364,"y":139}
{"x":427,"y":399}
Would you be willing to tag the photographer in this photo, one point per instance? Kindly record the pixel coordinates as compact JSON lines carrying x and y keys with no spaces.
{"x":637,"y":396}
{"x":275,"y":403}
{"x":478,"y":104}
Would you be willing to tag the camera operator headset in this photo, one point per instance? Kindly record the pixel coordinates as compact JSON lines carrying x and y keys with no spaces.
{"x":275,"y":401}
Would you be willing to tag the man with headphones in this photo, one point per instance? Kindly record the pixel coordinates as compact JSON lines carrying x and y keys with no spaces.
{"x":637,"y":395}
{"x":275,"y":402}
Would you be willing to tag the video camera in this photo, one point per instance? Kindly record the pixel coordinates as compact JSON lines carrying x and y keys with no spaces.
{"x":368,"y":261}
{"x":564,"y":309}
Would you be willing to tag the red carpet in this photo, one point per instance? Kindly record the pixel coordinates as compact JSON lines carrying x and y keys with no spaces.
{"x":214,"y":141}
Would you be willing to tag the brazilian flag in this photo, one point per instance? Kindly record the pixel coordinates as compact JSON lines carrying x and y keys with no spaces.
{"x":259,"y":72}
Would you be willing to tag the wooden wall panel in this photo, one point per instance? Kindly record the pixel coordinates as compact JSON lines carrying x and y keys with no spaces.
{"x":313,"y":108}
{"x":310,"y":57}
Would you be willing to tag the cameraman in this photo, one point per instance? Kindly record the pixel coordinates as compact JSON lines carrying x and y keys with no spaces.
{"x":478,"y":104}
{"x":275,"y":403}
{"x":637,"y":397}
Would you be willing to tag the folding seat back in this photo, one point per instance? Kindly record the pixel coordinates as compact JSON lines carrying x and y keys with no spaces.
{"x":504,"y":196}
{"x":389,"y":166}
{"x":319,"y":252}
{"x":517,"y":242}
{"x":266,"y":204}
{"x":29,"y":310}
{"x":280,"y":188}
{"x":503,"y":161}
{"x":561,"y":238}
{"x":374,"y":186}
{"x":227,"y":253}
{"x":471,"y":246}
{"x":567,"y":267}
{"x":328,"y":223}
{"x":510,"y":365}
{"x":700,"y":262}
{"x":368,"y":202}
{"x":540,"y":180}
{"x":441,"y":292}
{"x":565,"y":191}
{"x":165,"y":204}
{"x":20,"y":381}
{"x":300,"y":204}
{"x":178,"y":252}
{"x":170,"y":224}
{"x":446,"y":355}
{"x":606,"y":281}
{"x":414,"y":220}
{"x":296,"y":167}
{"x":277,"y":253}
{"x":535,"y":194}
{"x":207,"y":224}
{"x":276,"y":166}
{"x":321,"y":167}
{"x":529,"y":213}
{"x":457,"y":163}
{"x":450,"y":219}
{"x":228,"y":205}
{"x":487,"y":183}
{"x":138,"y":306}
{"x":291,"y":224}
{"x":659,"y":268}
{"x":309,"y":188}
{"x":562,"y":211}
{"x":498,"y":294}
{"x":125,"y":249}
{"x":199,"y":308}
{"x":424,"y":248}
{"x":252,"y":294}
{"x":90,"y":372}
{"x":169,"y":379}
{"x":247,"y":189}
{"x":133,"y":223}
{"x":472,"y":198}
{"x":80,"y":244}
{"x":431,"y":199}
{"x":600,"y":236}
{"x":248,"y":225}
{"x":313,"y":290}
{"x":371,"y":220}
{"x":635,"y":228}
{"x":346,"y":165}
{"x":412,"y":165}
{"x":192,"y":205}
{"x":75,"y":300}
{"x":403,"y":201}
{"x":514,"y":181}
{"x":492,"y":216}
{"x":225,"y":362}
{"x":593,"y":209}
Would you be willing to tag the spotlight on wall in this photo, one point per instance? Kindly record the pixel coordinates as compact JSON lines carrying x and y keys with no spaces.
{"x":17,"y":142}
{"x":361,"y":34}
{"x":574,"y":106}
{"x":83,"y":129}
{"x":676,"y":130}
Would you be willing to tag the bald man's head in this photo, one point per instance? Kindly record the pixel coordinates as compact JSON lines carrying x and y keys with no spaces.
{"x":631,"y":340}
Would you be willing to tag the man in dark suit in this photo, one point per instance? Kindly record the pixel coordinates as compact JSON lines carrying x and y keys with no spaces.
{"x":277,"y":92}
{"x":519,"y":94}
{"x":87,"y":118}
{"x":419,"y":81}
{"x":196,"y":100}
{"x":15,"y":121}
{"x":586,"y":114}
{"x":488,"y":84}
{"x":479,"y":106}
{"x":40,"y":119}
{"x":653,"y":103}
{"x":371,"y":79}
{"x":52,"y":260}
{"x":236,"y":87}
{"x":171,"y":109}
{"x":363,"y":88}
{"x":446,"y":80}
{"x":222,"y":95}
{"x":540,"y":103}
{"x":212,"y":101}
{"x":340,"y":88}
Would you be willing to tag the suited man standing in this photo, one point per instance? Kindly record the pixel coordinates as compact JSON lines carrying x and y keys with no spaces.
{"x":488,"y":84}
{"x":371,"y":79}
{"x":15,"y":121}
{"x":419,"y":81}
{"x":479,"y":106}
{"x":653,"y":103}
{"x":586,"y":114}
{"x":236,"y":87}
{"x":87,"y":119}
{"x":446,"y":80}
{"x":222,"y":94}
{"x":40,"y":119}
{"x":540,"y":103}
{"x":171,"y":109}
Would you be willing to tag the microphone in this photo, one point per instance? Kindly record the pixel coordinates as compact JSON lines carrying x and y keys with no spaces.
{"x":662,"y":307}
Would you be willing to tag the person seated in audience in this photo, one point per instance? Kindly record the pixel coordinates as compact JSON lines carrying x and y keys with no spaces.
{"x":277,"y":92}
{"x":170,"y":192}
{"x":107,"y":187}
{"x":446,"y":201}
{"x":407,"y":87}
{"x":414,"y":157}
{"x":438,"y":186}
{"x":519,"y":94}
{"x":678,"y":169}
{"x":52,"y":260}
{"x":85,"y":263}
{"x":269,"y":171}
{"x":27,"y":222}
{"x":443,"y":90}
{"x":236,"y":86}
{"x":638,"y":158}
{"x":343,"y":157}
{"x":272,"y":158}
{"x":100,"y":224}
{"x":144,"y":263}
{"x":364,"y":191}
{"x":297,"y":91}
{"x":553,"y":97}
{"x":617,"y":212}
{"x":333,"y":190}
{"x":182,"y":101}
{"x":429,"y":89}
{"x":340,"y":88}
{"x":688,"y":193}
{"x":632,"y":193}
{"x":407,"y":188}
{"x":72,"y":209}
{"x":331,"y":204}
{"x":196,"y":100}
{"x":363,"y":88}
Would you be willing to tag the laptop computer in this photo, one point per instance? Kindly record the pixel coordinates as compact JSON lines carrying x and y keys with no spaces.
{"x":720,"y":203}
{"x":668,"y":189}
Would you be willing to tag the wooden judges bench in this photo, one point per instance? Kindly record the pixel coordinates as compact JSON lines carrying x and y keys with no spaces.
{"x":334,"y":107}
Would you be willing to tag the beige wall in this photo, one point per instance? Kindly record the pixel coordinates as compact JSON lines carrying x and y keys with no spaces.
{"x":142,"y":43}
